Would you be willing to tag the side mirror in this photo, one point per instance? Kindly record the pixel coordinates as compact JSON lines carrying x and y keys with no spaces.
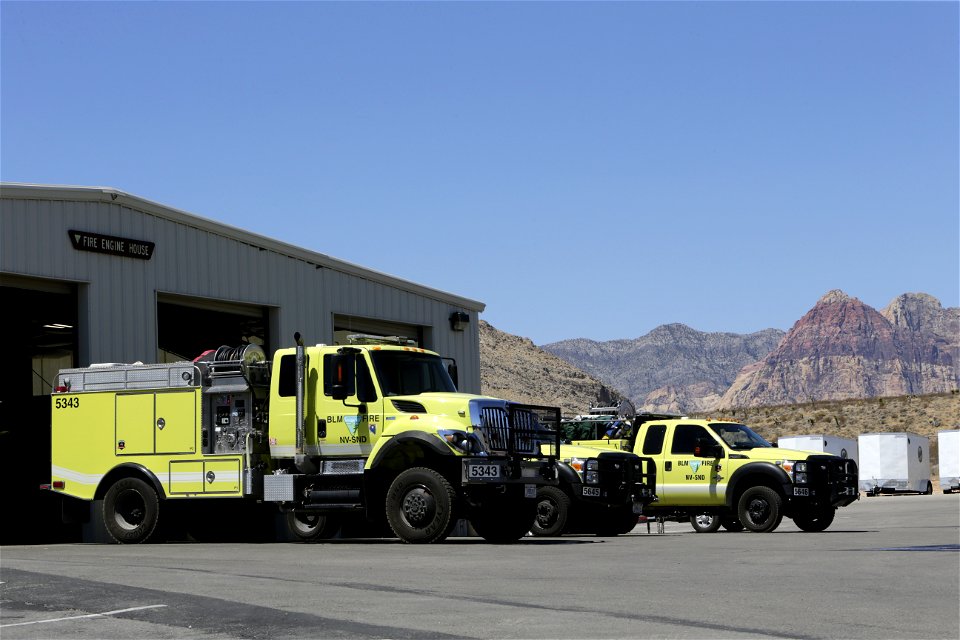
{"x":343,"y":369}
{"x":707,"y":448}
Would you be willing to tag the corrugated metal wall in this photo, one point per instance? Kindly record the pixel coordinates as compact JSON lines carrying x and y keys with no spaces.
{"x":117,"y":295}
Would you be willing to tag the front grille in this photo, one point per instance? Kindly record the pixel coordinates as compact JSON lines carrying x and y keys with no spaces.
{"x":520,"y":429}
{"x":832,"y":471}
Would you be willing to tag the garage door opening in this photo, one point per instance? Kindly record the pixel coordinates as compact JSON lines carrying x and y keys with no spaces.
{"x":39,"y":333}
{"x":186,"y":327}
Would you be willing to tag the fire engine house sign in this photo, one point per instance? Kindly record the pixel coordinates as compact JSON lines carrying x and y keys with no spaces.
{"x":112,"y":245}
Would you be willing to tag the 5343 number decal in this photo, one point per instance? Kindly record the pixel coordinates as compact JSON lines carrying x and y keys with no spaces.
{"x":72,"y":402}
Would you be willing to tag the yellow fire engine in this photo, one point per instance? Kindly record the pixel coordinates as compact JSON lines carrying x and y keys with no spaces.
{"x":375,"y":428}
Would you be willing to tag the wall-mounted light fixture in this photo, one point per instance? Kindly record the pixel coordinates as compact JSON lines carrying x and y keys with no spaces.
{"x":459,"y":320}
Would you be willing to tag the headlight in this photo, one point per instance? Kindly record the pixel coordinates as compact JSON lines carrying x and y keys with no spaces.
{"x":796,"y":469}
{"x":592,"y":475}
{"x":462,"y":441}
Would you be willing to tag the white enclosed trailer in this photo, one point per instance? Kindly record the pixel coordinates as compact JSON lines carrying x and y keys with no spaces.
{"x":894,"y":462}
{"x":843,"y":447}
{"x":948,"y":447}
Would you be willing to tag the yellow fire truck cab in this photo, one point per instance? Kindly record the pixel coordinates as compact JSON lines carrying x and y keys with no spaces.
{"x":374,"y":428}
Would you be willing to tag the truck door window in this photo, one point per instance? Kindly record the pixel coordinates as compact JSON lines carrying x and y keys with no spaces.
{"x":685,"y":438}
{"x":653,"y":443}
{"x":366,"y":392}
{"x":287,"y":385}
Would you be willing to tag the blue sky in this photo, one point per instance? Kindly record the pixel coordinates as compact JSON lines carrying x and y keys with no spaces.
{"x":585,"y":169}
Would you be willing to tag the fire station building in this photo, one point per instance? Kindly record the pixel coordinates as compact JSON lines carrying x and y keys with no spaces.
{"x":91,"y":274}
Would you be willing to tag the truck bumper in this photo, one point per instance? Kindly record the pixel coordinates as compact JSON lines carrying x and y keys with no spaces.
{"x":487,"y":471}
{"x":831,"y":482}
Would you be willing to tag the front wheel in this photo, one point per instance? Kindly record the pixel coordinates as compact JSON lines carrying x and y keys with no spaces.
{"x":420,"y":505}
{"x":310,"y":527}
{"x":815,"y":520}
{"x":705,"y":522}
{"x":553,"y":511}
{"x":760,"y":509}
{"x":929,"y":490}
{"x":504,"y":519}
{"x":130,"y":510}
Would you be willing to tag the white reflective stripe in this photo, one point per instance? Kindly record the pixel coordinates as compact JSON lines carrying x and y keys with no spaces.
{"x":282,"y":451}
{"x":197,"y":476}
{"x":75,"y":476}
{"x":278,"y":451}
{"x":688,"y":489}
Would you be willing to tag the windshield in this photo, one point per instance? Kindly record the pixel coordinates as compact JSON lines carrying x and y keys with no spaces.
{"x":739,"y":436}
{"x":405,"y":373}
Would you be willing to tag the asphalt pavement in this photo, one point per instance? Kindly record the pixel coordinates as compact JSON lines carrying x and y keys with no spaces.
{"x":888,"y":567}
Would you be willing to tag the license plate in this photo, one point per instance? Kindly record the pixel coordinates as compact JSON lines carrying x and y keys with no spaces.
{"x":529,"y":491}
{"x":593,"y":492}
{"x":483,"y":471}
{"x":801,"y":491}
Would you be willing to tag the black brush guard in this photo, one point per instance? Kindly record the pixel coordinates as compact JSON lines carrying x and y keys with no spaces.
{"x":833,"y":480}
{"x":522,"y":430}
{"x":623,"y":476}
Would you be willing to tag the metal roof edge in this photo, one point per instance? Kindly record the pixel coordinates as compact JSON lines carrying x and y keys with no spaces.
{"x":30,"y":191}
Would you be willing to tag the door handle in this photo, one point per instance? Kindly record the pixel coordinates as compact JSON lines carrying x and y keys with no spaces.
{"x":668,"y":466}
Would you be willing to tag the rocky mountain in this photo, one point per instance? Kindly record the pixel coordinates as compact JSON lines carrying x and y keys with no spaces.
{"x":843,"y":348}
{"x":672,"y":368}
{"x":515,"y":369}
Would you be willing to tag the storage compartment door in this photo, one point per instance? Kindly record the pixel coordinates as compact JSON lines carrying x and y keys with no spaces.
{"x":186,"y":477}
{"x":176,"y":422}
{"x":221,"y":476}
{"x":134,"y":434}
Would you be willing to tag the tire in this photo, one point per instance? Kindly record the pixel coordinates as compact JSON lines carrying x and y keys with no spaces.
{"x":815,"y":520}
{"x":310,"y":527}
{"x":929,"y":490}
{"x":705,"y":522}
{"x":731,"y":524}
{"x":130,"y":511}
{"x":760,"y":509}
{"x":553,"y":512}
{"x":419,"y":506}
{"x":617,"y":522}
{"x":505,"y":519}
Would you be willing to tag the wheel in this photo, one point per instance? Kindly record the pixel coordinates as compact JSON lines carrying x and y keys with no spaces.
{"x":553,"y":511}
{"x":616,"y":522}
{"x":731,"y":524}
{"x":760,"y":509}
{"x":504,"y":519}
{"x":929,"y":490}
{"x":815,"y":519}
{"x":130,"y":510}
{"x":705,"y":522}
{"x":420,"y":505}
{"x":310,"y":527}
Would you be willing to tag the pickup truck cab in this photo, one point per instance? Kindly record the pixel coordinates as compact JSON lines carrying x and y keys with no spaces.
{"x":723,"y":469}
